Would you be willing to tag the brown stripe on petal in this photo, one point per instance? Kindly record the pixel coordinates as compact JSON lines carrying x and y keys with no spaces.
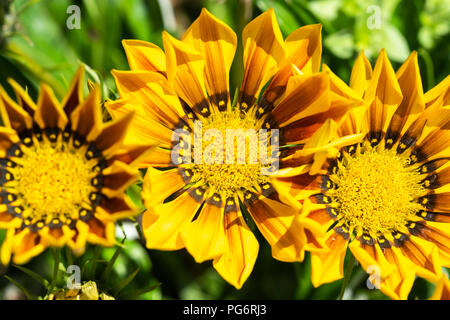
{"x":374,"y":137}
{"x":399,"y":238}
{"x":367,"y":239}
{"x":246,"y":101}
{"x":322,"y":199}
{"x":326,"y":184}
{"x":434,"y":143}
{"x":186,"y":174}
{"x":7,"y":197}
{"x":415,"y":228}
{"x":405,"y":142}
{"x":220,"y":100}
{"x":433,"y":165}
{"x":188,"y":111}
{"x":383,"y":242}
{"x":428,"y":201}
{"x":390,"y":138}
{"x":249,"y":197}
{"x":264,"y":107}
{"x":202,"y":108}
{"x":442,"y":177}
{"x":417,"y":155}
{"x":267,"y":189}
{"x":431,"y":182}
{"x":230,"y":205}
{"x":343,"y":231}
{"x":332,"y":211}
{"x":215,"y":200}
{"x":427,"y":215}
{"x":198,"y":193}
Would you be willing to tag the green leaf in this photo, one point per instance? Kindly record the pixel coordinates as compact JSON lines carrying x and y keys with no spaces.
{"x":341,"y":44}
{"x":56,"y":252}
{"x":34,"y":275}
{"x":21,"y":287}
{"x":122,"y":284}
{"x":134,"y":192}
{"x":136,"y":293}
{"x":111,"y":262}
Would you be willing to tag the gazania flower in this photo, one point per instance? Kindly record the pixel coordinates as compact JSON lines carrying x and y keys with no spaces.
{"x":202,"y":205}
{"x":385,"y":196}
{"x":442,"y":289}
{"x":63,"y":172}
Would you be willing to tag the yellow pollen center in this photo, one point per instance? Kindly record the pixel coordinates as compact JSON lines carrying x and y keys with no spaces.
{"x":241,"y":166}
{"x":377,"y":191}
{"x":53,"y":182}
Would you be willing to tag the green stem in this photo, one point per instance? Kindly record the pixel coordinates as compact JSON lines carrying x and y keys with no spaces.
{"x":56,"y":258}
{"x":347,"y":275}
{"x":428,"y":67}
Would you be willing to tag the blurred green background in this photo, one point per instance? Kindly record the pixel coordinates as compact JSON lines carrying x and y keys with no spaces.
{"x":37,"y":45}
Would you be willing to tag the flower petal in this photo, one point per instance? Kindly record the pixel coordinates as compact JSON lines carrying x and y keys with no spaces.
{"x":87,"y":118}
{"x":75,"y":94}
{"x":160,"y":184}
{"x":217,"y":44}
{"x":185,"y":71}
{"x":328,"y":266}
{"x":305,"y":96}
{"x":12,"y":114}
{"x":204,"y":237}
{"x":413,"y":103}
{"x":383,"y":96}
{"x":172,"y":218}
{"x":237,"y":262}
{"x":361,"y":74}
{"x":49,"y":113}
{"x":144,"y":55}
{"x":263,"y":51}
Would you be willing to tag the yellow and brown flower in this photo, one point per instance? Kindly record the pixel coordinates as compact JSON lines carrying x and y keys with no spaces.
{"x":202,"y":206}
{"x":386,"y":195}
{"x":62,"y":171}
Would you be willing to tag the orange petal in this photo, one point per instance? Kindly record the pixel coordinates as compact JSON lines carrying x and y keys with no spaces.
{"x":75,"y":94}
{"x":12,"y":114}
{"x":217,"y":44}
{"x":383,"y":95}
{"x":361,"y":74}
{"x":204,"y":237}
{"x":328,"y":266}
{"x":413,"y":103}
{"x":276,"y":222}
{"x":305,"y":96}
{"x":49,"y":113}
{"x":144,"y":55}
{"x":185,"y":71}
{"x":237,"y":262}
{"x":87,"y":118}
{"x":263,"y":51}
{"x":160,"y":184}
{"x":172,"y":218}
{"x":151,"y":90}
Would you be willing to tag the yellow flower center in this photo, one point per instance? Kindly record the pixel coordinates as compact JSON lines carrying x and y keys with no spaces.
{"x":53,"y":182}
{"x":229,"y":159}
{"x":376,"y":191}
